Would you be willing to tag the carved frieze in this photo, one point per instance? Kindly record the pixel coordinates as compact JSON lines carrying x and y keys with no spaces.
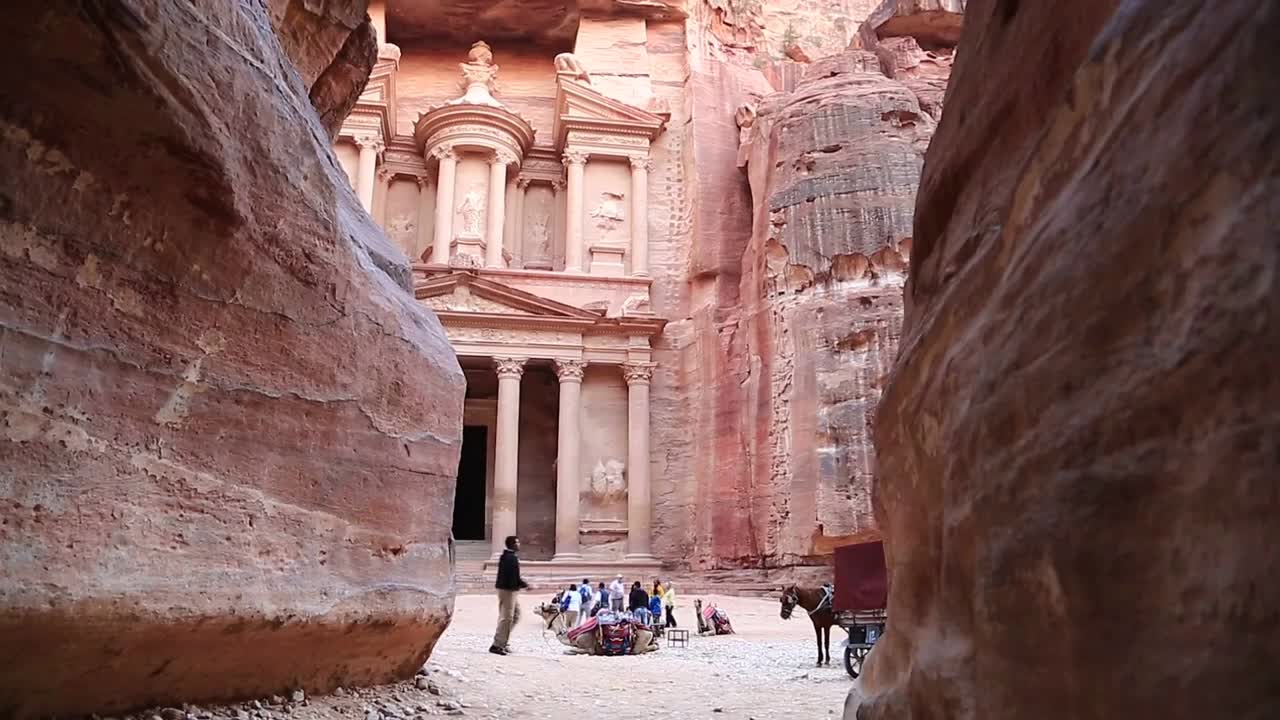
{"x":509,"y":336}
{"x":588,"y":138}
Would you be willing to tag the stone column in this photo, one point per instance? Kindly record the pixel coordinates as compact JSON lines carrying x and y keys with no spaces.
{"x":507,"y":450}
{"x":640,"y":165}
{"x":568,"y":434}
{"x":381,"y":194}
{"x":575,"y":162}
{"x":366,"y":169}
{"x":517,"y":212}
{"x":424,"y":220}
{"x":639,"y":506}
{"x":497,"y":207}
{"x":444,"y":203}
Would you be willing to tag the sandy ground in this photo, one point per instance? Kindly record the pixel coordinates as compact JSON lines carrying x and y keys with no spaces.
{"x":764,"y":672}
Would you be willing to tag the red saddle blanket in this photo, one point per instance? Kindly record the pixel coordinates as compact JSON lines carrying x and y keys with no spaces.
{"x":584,"y":628}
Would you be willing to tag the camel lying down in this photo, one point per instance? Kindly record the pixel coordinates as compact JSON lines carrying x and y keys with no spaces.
{"x":589,"y":642}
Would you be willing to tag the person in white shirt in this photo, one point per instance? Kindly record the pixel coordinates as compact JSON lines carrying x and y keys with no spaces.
{"x":617,"y":594}
{"x":575,"y":607}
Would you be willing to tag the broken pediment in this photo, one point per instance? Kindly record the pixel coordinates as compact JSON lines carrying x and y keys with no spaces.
{"x":579,"y":107}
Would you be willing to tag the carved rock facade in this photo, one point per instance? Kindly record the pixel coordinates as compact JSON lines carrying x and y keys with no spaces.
{"x":1081,"y":428}
{"x":228,"y":433}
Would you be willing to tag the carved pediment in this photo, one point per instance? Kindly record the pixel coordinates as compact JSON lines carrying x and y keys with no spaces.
{"x":464,"y":292}
{"x":579,"y":107}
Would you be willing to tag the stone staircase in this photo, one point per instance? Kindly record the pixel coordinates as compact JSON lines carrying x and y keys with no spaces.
{"x":469,"y":571}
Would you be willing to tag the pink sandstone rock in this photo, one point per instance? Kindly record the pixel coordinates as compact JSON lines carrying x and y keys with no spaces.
{"x":933,"y":23}
{"x":228,"y":434}
{"x":1077,"y":447}
{"x":333,"y":48}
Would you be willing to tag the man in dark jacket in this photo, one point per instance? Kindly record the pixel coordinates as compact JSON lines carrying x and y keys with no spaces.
{"x":509,"y":583}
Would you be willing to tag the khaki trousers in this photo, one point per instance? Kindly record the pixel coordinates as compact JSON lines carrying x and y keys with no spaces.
{"x":570,"y":619}
{"x":508,"y":616}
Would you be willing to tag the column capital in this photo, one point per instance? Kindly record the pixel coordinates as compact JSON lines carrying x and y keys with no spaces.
{"x":570,"y":370}
{"x":509,"y":366}
{"x":575,"y":156}
{"x":638,"y":373}
{"x":384,"y":174}
{"x":503,"y":157}
{"x":422,"y":180}
{"x":523,"y":183}
{"x":640,"y":162}
{"x":558,"y":186}
{"x":369,"y":142}
{"x":444,"y":152}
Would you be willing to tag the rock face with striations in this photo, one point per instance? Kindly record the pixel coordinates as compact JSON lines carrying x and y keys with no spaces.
{"x":1081,"y":428}
{"x":796,"y":294}
{"x":228,"y":433}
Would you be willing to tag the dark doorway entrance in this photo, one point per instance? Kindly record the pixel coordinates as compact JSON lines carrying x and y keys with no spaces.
{"x":468,"y":499}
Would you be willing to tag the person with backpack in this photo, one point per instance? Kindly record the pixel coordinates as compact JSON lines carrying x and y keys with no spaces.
{"x":588,"y":602}
{"x":601,"y":598}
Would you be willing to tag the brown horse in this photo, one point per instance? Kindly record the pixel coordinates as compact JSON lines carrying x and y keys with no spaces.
{"x":817,"y":602}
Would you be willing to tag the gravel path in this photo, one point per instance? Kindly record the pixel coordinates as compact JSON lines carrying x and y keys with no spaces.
{"x":765,"y":672}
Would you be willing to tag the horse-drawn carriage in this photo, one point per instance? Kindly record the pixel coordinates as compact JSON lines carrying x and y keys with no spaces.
{"x":861,"y":595}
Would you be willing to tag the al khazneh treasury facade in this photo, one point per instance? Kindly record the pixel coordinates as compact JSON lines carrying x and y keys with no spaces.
{"x":524,"y":207}
{"x":669,"y":259}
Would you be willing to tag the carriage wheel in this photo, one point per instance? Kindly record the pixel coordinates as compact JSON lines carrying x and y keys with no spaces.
{"x":853,"y":658}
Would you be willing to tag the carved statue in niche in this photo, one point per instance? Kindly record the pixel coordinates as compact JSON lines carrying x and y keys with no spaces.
{"x":606,"y":486}
{"x":539,"y":237}
{"x":609,"y":214}
{"x":744,"y":118}
{"x":568,"y":64}
{"x":472,"y":212}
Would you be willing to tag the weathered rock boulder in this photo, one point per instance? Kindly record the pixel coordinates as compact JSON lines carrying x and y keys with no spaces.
{"x":1077,"y":449}
{"x":228,"y":434}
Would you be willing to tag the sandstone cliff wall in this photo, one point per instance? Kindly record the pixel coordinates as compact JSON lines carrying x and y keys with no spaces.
{"x":796,"y":255}
{"x":1077,"y":448}
{"x":228,"y":434}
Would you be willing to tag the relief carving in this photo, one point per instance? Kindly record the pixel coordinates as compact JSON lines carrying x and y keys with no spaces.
{"x":607,"y":481}
{"x":568,"y":64}
{"x":479,"y":70}
{"x":601,"y":139}
{"x":609,"y":214}
{"x":472,"y":212}
{"x":539,"y":237}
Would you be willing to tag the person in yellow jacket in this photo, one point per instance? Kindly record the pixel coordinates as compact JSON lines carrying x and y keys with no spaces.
{"x":669,"y":602}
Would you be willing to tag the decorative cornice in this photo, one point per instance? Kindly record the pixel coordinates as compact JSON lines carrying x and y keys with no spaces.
{"x":570,"y":370}
{"x":638,"y":373}
{"x":509,"y":367}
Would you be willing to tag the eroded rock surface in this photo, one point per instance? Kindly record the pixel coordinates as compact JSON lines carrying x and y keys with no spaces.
{"x":1080,"y":431}
{"x":333,"y":47}
{"x":228,"y":433}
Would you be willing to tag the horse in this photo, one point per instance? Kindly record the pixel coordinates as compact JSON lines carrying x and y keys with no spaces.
{"x":817,"y":602}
